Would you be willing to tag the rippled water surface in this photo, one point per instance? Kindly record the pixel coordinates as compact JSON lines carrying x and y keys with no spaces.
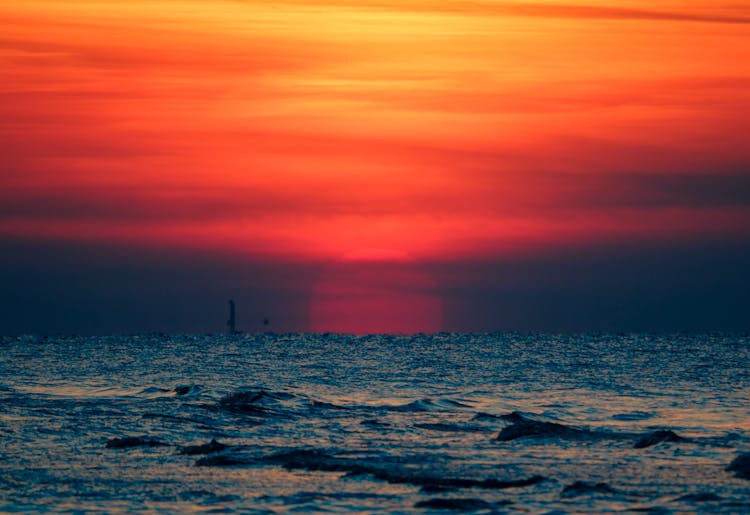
{"x":488,"y":422}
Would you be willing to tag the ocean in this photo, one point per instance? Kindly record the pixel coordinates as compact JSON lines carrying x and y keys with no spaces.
{"x":265,"y":423}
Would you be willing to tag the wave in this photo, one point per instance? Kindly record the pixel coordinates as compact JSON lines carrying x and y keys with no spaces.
{"x":378,"y":467}
{"x":460,"y":504}
{"x":583,"y":488}
{"x":657,"y":437}
{"x":740,"y":466}
{"x":451,"y":428}
{"x":523,"y":427}
{"x":207,"y":448}
{"x":129,"y":442}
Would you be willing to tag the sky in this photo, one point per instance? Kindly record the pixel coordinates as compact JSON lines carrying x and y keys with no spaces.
{"x":374,"y":165}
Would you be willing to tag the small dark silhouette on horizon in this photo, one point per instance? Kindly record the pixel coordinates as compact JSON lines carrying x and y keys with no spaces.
{"x":232,"y":320}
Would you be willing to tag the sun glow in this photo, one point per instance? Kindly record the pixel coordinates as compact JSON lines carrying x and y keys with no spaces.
{"x":375,"y":291}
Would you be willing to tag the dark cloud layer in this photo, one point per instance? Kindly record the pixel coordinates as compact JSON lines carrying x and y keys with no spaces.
{"x":585,"y":191}
{"x":654,"y":286}
{"x":57,"y":287}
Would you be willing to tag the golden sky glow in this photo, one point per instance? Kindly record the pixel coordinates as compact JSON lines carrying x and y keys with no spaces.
{"x":310,"y":129}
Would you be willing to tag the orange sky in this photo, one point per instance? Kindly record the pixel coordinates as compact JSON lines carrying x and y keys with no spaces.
{"x":311,"y":128}
{"x":308,"y":130}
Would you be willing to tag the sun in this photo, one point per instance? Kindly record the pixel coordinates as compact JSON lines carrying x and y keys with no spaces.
{"x":370,"y":291}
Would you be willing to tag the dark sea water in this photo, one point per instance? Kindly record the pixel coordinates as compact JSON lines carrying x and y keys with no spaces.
{"x":332,"y":423}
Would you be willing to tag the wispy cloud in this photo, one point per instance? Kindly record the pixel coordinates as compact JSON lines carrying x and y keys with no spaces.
{"x":705,"y":12}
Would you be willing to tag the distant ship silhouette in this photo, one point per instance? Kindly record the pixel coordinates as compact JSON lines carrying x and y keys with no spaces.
{"x":232,"y":319}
